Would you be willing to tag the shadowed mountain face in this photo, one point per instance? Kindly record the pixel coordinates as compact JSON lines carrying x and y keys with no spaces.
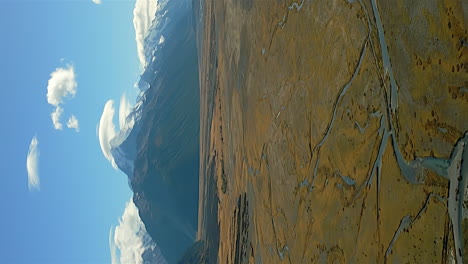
{"x":165,"y":179}
{"x":163,"y":145}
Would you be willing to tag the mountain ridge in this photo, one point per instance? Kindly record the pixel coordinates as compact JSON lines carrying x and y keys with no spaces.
{"x":159,"y":151}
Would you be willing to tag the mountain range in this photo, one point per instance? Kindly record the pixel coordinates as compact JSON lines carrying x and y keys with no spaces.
{"x":159,"y":148}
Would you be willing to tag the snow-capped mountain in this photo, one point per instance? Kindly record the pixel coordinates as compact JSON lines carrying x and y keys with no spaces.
{"x":158,"y":148}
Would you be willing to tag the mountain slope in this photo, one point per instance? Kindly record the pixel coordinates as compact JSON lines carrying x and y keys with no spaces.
{"x":160,"y":152}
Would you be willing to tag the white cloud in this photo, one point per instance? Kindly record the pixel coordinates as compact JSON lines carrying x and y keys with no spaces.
{"x":130,"y":237}
{"x":32,"y":165}
{"x":73,"y":123}
{"x":124,"y":110}
{"x":107,"y":131}
{"x":143,"y":15}
{"x":97,"y":2}
{"x":62,"y":83}
{"x":113,"y":247}
{"x":56,"y":117}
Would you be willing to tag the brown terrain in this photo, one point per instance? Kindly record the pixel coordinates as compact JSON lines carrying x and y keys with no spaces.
{"x":333,"y":131}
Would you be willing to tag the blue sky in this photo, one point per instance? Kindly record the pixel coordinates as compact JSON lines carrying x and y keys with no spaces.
{"x":68,"y":219}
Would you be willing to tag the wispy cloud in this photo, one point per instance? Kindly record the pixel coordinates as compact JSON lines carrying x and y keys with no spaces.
{"x":97,"y":2}
{"x":106,"y":131}
{"x":32,"y":165}
{"x":62,"y":84}
{"x":55,"y":115}
{"x":124,"y":110}
{"x":129,"y":237}
{"x":143,"y":15}
{"x":113,"y":248}
{"x":73,"y":123}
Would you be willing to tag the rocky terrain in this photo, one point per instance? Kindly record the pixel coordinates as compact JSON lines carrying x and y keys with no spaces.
{"x":333,"y":131}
